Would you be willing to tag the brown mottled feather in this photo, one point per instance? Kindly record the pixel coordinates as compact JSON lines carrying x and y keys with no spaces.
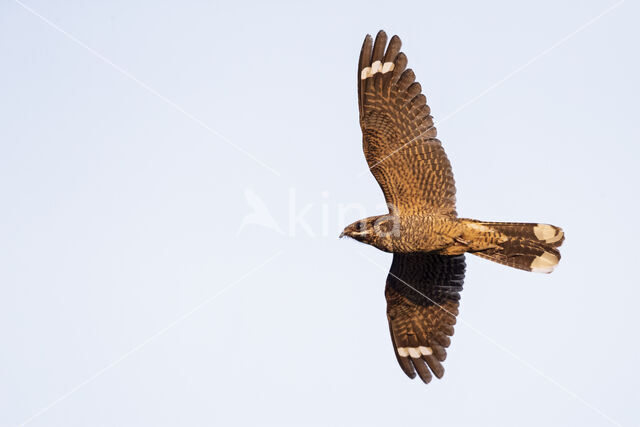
{"x":399,"y":141}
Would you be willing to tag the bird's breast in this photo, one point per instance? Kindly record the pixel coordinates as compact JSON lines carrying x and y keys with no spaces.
{"x":426,"y":233}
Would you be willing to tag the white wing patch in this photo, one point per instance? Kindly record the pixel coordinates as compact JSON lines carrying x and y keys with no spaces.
{"x":376,"y":67}
{"x":388,"y":66}
{"x":414,"y":352}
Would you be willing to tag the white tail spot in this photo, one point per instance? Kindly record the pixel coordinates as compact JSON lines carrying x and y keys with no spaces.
{"x":548,"y":233}
{"x":544,"y":263}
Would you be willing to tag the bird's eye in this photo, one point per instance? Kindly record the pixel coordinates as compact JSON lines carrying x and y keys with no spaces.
{"x":360,"y":226}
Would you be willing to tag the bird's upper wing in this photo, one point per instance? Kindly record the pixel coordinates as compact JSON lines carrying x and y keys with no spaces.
{"x":399,"y":138}
{"x":423,"y":293}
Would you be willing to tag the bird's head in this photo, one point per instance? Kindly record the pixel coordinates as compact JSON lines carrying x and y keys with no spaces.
{"x":374,"y":230}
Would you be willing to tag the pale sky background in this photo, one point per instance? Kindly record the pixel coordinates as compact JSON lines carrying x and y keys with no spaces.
{"x":121,"y":204}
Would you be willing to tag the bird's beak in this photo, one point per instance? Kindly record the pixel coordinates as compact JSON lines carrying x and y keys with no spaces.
{"x":341,"y":235}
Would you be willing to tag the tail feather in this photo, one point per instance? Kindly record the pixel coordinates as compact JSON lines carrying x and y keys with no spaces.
{"x":526,"y":246}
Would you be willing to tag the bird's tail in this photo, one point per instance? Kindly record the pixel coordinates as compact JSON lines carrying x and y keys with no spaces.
{"x":527,"y":246}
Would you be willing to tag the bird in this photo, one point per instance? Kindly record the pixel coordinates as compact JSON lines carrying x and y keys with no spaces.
{"x":422,"y":228}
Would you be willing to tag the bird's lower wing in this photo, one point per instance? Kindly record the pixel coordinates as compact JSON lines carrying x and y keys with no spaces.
{"x":423,"y":293}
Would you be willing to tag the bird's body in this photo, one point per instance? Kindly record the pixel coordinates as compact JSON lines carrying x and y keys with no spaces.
{"x":414,"y":233}
{"x":422,"y":228}
{"x":428,"y":233}
{"x":447,"y":235}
